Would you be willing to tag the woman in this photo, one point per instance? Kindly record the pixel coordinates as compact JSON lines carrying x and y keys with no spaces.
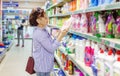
{"x":20,"y":33}
{"x":43,"y":45}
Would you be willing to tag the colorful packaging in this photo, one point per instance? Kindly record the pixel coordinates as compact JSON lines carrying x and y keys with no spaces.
{"x":84,"y":23}
{"x":93,"y":3}
{"x":117,"y":28}
{"x":88,"y":57}
{"x":109,"y":27}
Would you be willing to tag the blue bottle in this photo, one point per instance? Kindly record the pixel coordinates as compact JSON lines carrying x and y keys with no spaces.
{"x":101,"y":2}
{"x":93,"y":3}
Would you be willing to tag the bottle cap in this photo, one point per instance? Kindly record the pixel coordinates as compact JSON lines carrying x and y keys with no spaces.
{"x":118,"y":59}
{"x":101,"y":51}
{"x":110,"y":52}
{"x":118,"y":52}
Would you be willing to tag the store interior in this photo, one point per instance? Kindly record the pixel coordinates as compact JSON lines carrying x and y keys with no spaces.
{"x":90,"y":48}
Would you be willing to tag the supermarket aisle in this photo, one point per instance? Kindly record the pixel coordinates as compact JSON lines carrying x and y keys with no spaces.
{"x":15,"y":61}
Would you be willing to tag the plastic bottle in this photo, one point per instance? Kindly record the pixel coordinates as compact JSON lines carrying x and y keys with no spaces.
{"x":117,"y":28}
{"x":100,"y":63}
{"x":101,"y":26}
{"x":109,"y":60}
{"x":78,"y":4}
{"x":84,"y":23}
{"x":81,"y":4}
{"x":86,"y":4}
{"x":116,"y":65}
{"x":100,"y":2}
{"x":109,"y":1}
{"x":93,"y":3}
{"x":109,"y":27}
{"x":88,"y":58}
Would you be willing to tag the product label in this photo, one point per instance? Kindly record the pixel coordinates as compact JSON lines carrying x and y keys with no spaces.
{"x":107,"y":70}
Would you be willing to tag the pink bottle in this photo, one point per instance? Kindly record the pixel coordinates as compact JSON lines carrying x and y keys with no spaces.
{"x":88,"y":57}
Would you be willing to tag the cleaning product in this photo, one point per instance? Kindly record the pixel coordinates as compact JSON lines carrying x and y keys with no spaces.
{"x":99,"y":62}
{"x":84,"y":24}
{"x":86,"y":4}
{"x":78,"y":4}
{"x":93,"y":3}
{"x":88,"y":57}
{"x":109,"y":1}
{"x":116,"y":65}
{"x":109,"y":26}
{"x":117,"y":28}
{"x":100,"y":2}
{"x":109,"y":60}
{"x":101,"y":26}
{"x":78,"y":23}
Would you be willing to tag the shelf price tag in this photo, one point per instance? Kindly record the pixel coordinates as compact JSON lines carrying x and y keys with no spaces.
{"x":112,"y":44}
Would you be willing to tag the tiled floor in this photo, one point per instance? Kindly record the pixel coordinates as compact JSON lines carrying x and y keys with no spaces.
{"x":15,"y":60}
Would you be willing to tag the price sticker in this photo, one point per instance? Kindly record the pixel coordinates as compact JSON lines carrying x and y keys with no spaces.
{"x":112,"y":44}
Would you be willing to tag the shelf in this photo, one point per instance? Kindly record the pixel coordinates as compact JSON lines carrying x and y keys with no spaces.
{"x":52,"y":26}
{"x":61,"y":66}
{"x":56,"y":4}
{"x":87,"y":35}
{"x":61,"y":15}
{"x":62,"y":49}
{"x":81,"y":65}
{"x":92,"y":9}
{"x":60,"y":3}
{"x":114,"y":43}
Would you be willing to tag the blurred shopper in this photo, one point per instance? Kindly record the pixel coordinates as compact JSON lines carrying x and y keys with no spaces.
{"x":20,"y":32}
{"x":43,"y":45}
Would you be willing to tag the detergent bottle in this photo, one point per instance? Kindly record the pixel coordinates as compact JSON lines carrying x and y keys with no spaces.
{"x":101,"y":26}
{"x":109,"y":26}
{"x":117,"y":28}
{"x":84,"y":23}
{"x":78,"y":4}
{"x":109,"y":60}
{"x":87,"y":57}
{"x":100,"y":62}
{"x":100,"y":2}
{"x":86,"y":4}
{"x":116,"y":65}
{"x":93,"y":3}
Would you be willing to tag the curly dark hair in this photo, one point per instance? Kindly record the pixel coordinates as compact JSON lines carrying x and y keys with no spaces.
{"x":34,"y":15}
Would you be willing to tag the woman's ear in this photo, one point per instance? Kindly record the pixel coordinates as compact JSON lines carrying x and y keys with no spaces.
{"x":37,"y":20}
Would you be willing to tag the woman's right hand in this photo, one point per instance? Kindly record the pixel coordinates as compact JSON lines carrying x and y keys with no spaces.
{"x":62,"y":34}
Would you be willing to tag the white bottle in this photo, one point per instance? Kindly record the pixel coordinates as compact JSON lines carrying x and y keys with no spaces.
{"x":109,"y":60}
{"x":116,"y":65}
{"x":77,"y":54}
{"x":82,"y":48}
{"x":101,"y":26}
{"x":100,"y":63}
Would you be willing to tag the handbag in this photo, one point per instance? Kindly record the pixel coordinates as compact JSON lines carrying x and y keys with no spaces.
{"x":30,"y":64}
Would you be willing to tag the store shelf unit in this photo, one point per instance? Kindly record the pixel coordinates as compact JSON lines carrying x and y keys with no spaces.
{"x":86,"y":70}
{"x":54,"y":26}
{"x":2,"y":55}
{"x":114,"y":43}
{"x":61,"y":66}
{"x":60,"y":3}
{"x":92,"y":9}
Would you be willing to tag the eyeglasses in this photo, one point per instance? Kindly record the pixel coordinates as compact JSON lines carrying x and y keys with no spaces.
{"x":40,"y":12}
